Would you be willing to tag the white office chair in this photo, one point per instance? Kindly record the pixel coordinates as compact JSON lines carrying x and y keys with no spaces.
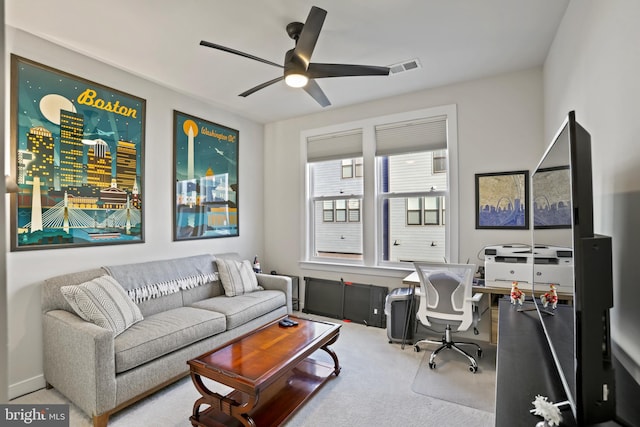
{"x":445,"y":299}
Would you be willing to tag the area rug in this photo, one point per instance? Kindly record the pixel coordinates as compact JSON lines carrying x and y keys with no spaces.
{"x":452,"y":381}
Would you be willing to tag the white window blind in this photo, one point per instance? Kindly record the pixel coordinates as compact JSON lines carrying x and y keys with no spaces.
{"x":411,"y":136}
{"x":335,"y":146}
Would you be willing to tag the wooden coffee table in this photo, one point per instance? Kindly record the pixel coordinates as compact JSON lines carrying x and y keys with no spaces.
{"x":271,"y":371}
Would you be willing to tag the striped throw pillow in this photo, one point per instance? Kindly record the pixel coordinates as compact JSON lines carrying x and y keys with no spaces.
{"x":237,"y":277}
{"x":103,"y":301}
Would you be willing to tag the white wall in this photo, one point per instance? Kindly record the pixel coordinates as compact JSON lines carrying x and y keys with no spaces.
{"x":500,"y":126}
{"x":26,"y":269}
{"x":593,"y":67}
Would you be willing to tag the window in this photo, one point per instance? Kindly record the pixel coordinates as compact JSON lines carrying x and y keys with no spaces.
{"x":327,"y":211}
{"x":410,"y":190}
{"x":331,"y":159}
{"x":431,"y":214}
{"x":431,"y":210}
{"x":358,"y":167}
{"x":354,"y":210}
{"x":352,"y":168}
{"x":413,"y":211}
{"x":347,"y":168}
{"x":439,"y":164}
{"x":341,"y":210}
{"x":387,"y":178}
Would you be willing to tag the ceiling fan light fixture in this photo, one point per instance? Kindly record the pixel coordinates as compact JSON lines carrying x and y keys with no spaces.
{"x":299,"y":71}
{"x":296,"y":80}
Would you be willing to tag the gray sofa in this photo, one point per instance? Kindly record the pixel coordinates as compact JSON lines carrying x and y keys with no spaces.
{"x":102,"y":374}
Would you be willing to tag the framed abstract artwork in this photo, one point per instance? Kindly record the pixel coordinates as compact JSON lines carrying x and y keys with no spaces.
{"x":77,"y":155}
{"x":501,"y":200}
{"x":205,"y":179}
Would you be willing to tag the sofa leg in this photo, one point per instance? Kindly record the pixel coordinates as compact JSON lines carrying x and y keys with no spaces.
{"x":101,"y":420}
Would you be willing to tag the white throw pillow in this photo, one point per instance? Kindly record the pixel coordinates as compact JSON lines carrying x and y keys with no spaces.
{"x":237,"y":277}
{"x":103,"y":301}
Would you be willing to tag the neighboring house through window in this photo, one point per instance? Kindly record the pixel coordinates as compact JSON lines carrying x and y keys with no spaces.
{"x":377,"y":190}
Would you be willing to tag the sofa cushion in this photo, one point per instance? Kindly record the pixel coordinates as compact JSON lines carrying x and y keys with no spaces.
{"x":237,"y":277}
{"x":104,"y":302}
{"x":163,"y":333}
{"x":244,"y":308}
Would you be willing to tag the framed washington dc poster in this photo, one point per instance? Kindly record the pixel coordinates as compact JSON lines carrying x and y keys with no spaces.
{"x":205,"y":179}
{"x":77,"y":157}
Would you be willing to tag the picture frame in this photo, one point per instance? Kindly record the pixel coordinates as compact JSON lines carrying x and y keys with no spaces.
{"x":77,"y":156}
{"x":502,"y":200}
{"x":552,"y":198}
{"x":205,"y":177}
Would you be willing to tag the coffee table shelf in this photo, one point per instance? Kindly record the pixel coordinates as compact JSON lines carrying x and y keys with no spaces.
{"x":303,"y":382}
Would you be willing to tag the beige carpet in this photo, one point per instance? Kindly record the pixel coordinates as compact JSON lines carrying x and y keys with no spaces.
{"x":452,"y":381}
{"x":373,"y":389}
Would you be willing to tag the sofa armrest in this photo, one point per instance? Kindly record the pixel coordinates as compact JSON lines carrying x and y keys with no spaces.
{"x":278,"y":283}
{"x":79,"y":360}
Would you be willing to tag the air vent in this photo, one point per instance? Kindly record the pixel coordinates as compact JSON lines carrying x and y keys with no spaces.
{"x":401,"y":67}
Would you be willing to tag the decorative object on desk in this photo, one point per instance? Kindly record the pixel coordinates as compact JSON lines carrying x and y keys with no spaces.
{"x":256,"y":265}
{"x":517,"y":296}
{"x":501,"y":200}
{"x":550,"y":297}
{"x":548,"y":411}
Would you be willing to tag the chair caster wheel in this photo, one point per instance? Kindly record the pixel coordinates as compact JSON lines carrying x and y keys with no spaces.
{"x":479,"y":352}
{"x":473,"y":369}
{"x":432,"y":365}
{"x":475,"y":331}
{"x":416,"y":348}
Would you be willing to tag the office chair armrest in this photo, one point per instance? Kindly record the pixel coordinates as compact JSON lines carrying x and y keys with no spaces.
{"x":477,"y":297}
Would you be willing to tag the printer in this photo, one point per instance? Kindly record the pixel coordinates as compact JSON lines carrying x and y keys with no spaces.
{"x":504,"y":264}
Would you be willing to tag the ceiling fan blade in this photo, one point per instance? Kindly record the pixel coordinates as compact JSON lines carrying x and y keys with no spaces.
{"x":261,"y":86}
{"x":237,"y":52}
{"x":309,"y":34}
{"x":313,"y":89}
{"x":316,"y":70}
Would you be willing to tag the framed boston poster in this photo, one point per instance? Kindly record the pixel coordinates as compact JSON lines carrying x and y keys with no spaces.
{"x":206,"y":179}
{"x":77,"y":155}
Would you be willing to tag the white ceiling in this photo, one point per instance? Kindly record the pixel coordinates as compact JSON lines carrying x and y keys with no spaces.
{"x":454,"y":40}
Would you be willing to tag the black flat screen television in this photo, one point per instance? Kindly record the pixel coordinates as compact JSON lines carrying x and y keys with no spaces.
{"x":578,"y":334}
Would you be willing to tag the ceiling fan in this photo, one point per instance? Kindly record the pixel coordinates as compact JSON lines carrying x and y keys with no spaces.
{"x":299,"y":71}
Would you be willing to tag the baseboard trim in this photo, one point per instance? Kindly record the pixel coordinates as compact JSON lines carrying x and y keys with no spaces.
{"x":27,"y":386}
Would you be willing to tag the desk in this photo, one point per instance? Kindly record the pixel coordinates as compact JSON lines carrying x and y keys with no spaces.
{"x":495,"y":293}
{"x":525,"y":368}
